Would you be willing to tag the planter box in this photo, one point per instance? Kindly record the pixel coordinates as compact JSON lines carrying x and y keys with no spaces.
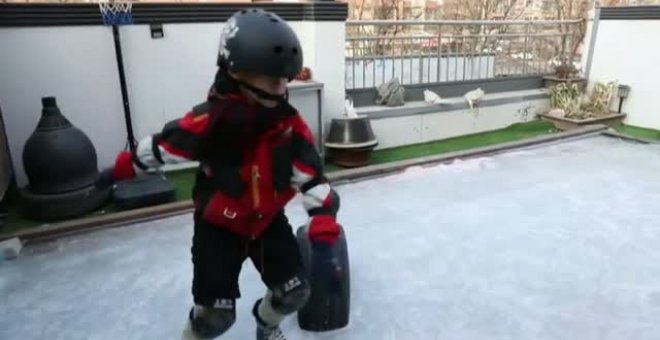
{"x":565,"y":124}
{"x":550,"y":81}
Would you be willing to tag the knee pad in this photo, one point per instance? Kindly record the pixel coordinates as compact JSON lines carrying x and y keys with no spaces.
{"x":290,"y":296}
{"x":210,"y":322}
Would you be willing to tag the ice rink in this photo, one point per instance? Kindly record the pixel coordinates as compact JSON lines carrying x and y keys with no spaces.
{"x":554,"y":242}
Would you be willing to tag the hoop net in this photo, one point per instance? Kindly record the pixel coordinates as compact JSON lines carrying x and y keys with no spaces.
{"x":116,"y":12}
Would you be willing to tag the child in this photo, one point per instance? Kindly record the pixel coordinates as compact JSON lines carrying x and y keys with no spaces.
{"x":255,"y":153}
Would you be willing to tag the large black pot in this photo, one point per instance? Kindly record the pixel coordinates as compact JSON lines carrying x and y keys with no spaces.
{"x":58,"y":157}
{"x":57,"y":207}
{"x":351,"y":141}
{"x":61,"y":165}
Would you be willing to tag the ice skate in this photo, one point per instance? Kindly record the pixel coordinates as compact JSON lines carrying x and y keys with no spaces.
{"x":264,"y":330}
{"x":189,"y":334}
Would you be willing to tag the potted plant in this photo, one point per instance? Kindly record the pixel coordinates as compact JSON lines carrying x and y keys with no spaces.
{"x":572,"y":107}
{"x":565,"y":73}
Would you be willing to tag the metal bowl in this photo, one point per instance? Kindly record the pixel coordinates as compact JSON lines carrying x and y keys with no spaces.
{"x":348,"y":132}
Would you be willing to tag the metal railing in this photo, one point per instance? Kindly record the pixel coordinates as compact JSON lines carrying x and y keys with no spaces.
{"x":438,"y":51}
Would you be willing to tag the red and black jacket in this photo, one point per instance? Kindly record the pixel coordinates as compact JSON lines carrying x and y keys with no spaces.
{"x":252,"y":162}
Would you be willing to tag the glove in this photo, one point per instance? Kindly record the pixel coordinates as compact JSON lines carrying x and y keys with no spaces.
{"x":323,"y":228}
{"x":122,"y":169}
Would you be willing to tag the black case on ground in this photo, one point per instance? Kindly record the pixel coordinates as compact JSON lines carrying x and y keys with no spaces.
{"x":328,"y":308}
{"x":143,"y":191}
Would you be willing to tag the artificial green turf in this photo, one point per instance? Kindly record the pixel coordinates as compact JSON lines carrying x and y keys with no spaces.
{"x":183,"y":180}
{"x":509,"y":134}
{"x":639,"y":132}
{"x":16,"y":221}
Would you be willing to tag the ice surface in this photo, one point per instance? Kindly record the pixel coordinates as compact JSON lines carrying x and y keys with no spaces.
{"x":558,"y":242}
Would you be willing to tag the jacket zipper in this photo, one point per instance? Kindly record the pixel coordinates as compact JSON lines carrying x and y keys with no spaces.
{"x":256,"y":200}
{"x":255,"y":186}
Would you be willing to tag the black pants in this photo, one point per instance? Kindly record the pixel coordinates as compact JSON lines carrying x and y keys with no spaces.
{"x":218,"y":257}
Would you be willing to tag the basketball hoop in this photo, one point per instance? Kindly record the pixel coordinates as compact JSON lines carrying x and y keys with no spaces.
{"x":116,"y":12}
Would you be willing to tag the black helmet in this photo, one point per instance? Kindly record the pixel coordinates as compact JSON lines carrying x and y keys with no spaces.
{"x":261,"y":42}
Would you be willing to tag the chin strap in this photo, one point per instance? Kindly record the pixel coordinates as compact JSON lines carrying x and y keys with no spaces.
{"x":224,"y":83}
{"x":265,"y":95}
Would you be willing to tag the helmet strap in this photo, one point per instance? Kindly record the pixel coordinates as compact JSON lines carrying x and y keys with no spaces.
{"x":265,"y":95}
{"x":225,"y":83}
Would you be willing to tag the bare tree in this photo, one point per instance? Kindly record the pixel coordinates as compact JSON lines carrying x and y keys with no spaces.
{"x":485,"y":37}
{"x":572,"y":35}
{"x":357,"y":9}
{"x":481,"y":9}
{"x":385,"y":10}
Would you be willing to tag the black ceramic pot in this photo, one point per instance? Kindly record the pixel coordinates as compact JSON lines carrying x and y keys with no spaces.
{"x":61,"y":165}
{"x":58,"y":157}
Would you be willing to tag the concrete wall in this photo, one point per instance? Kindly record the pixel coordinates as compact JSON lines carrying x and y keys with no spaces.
{"x":165,"y":77}
{"x":76,"y":65}
{"x":327,"y":63}
{"x":627,"y":51}
{"x":497,"y":111}
{"x":162,"y":88}
{"x":5,"y":162}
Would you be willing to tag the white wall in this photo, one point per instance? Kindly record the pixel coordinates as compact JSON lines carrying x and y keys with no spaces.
{"x":5,"y":162}
{"x":428,"y":127}
{"x":627,"y":51}
{"x":76,"y":65}
{"x":165,"y":77}
{"x":328,"y":66}
{"x":587,"y":40}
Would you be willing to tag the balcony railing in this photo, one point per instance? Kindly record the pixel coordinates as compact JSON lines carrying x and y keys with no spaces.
{"x":421,"y":52}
